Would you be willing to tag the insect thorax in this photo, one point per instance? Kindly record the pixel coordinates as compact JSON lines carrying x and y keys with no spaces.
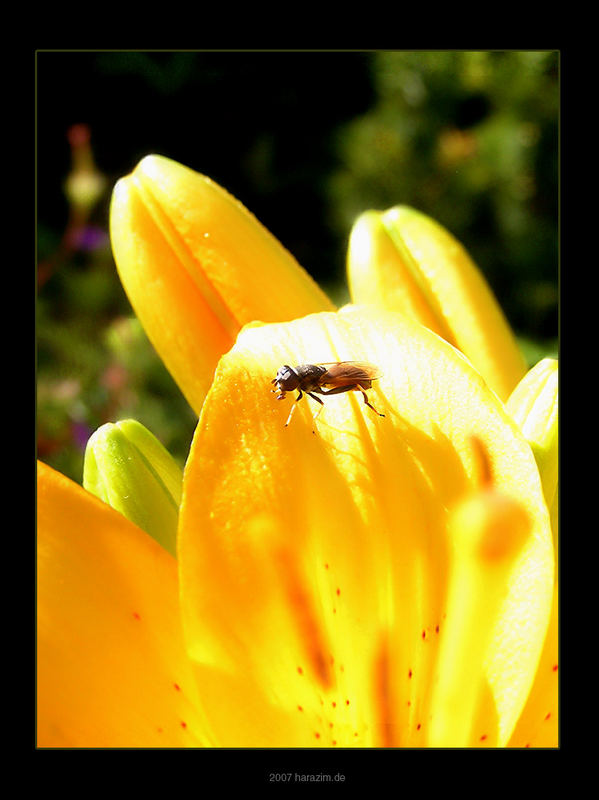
{"x":310,"y":375}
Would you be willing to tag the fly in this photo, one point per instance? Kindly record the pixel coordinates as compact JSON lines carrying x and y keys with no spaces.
{"x":312,"y":379}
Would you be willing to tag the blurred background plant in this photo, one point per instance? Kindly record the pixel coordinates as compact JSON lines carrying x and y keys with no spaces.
{"x":307,"y":141}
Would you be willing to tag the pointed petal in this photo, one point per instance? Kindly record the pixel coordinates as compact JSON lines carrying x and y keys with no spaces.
{"x":314,"y":566}
{"x":404,"y":261}
{"x":534,"y":406}
{"x":112,"y":671}
{"x":196,"y":266}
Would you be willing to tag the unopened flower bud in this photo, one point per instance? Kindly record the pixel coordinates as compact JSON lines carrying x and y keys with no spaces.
{"x":127,"y":467}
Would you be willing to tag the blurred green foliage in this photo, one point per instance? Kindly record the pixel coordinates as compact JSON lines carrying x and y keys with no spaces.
{"x":470,"y":138}
{"x":95,"y":363}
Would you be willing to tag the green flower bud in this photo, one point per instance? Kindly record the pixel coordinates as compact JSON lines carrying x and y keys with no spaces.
{"x":127,"y":467}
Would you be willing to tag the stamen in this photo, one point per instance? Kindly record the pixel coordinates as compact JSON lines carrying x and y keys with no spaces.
{"x":487,"y":530}
{"x":483,"y":462}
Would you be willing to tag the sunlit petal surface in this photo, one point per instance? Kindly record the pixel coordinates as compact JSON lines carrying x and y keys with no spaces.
{"x":316,"y":567}
{"x":538,"y":723}
{"x":112,"y":671}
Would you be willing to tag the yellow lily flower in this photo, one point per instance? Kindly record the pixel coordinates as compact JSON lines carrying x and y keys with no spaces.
{"x":197,"y":266}
{"x":319,"y":594}
{"x":384,"y":581}
{"x":402,"y":260}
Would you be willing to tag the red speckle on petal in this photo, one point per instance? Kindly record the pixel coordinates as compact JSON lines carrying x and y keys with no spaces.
{"x":547,"y":717}
{"x":483,"y":737}
{"x":177,"y":687}
{"x":555,"y":667}
{"x":338,"y":592}
{"x":136,"y":616}
{"x":299,"y":708}
{"x":183,"y":724}
{"x":317,"y":735}
{"x":347,"y":702}
{"x":409,"y":673}
{"x":300,"y":671}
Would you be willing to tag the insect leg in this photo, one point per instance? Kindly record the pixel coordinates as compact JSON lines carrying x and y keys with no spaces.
{"x":367,"y":403}
{"x":318,"y":400}
{"x":297,"y":399}
{"x":338,"y":389}
{"x":352,"y":387}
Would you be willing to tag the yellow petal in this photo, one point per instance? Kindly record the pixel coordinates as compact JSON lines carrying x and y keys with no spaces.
{"x":379,"y":276}
{"x":196,"y":266}
{"x":538,"y":725}
{"x":314,"y":566}
{"x":111,"y":668}
{"x":534,"y":406}
{"x":402,"y":260}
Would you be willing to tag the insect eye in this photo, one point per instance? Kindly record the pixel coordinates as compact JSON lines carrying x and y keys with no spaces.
{"x":286,"y":378}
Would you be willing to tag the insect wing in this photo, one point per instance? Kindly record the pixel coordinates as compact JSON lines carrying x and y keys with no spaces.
{"x":344,"y":373}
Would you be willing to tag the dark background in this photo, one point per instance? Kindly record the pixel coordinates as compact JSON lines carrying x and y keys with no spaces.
{"x":307,"y":141}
